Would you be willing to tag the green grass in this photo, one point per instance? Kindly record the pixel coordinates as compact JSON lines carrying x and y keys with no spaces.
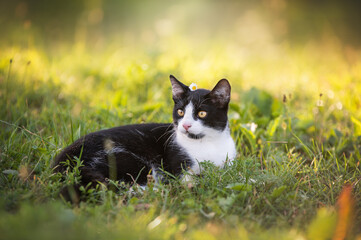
{"x":284,"y":184}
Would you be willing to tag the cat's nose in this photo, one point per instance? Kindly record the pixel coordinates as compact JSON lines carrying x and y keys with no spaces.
{"x":187,"y":126}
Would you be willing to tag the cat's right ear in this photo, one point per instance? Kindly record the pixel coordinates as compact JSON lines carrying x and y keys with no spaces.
{"x":178,"y":88}
{"x":221,"y":93}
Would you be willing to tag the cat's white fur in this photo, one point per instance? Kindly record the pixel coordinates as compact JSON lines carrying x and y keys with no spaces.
{"x":216,"y":146}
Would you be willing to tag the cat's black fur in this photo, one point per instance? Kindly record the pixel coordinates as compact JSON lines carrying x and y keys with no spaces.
{"x":146,"y":147}
{"x":129,"y":153}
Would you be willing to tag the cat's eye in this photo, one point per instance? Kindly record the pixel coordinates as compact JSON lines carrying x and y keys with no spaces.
{"x":202,"y":114}
{"x":180,"y":112}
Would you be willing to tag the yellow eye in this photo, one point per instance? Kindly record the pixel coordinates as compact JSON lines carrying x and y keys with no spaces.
{"x":180,"y":112}
{"x":202,"y":114}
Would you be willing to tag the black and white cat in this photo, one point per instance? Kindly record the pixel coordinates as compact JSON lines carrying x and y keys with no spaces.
{"x":199,"y":132}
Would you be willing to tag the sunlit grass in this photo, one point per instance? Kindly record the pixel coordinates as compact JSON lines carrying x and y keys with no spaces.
{"x":312,"y":70}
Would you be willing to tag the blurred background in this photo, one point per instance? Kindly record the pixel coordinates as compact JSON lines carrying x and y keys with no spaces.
{"x":95,"y":22}
{"x":310,"y":47}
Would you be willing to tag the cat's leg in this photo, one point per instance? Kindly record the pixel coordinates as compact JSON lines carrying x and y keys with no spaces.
{"x":188,"y":178}
{"x":157,"y":175}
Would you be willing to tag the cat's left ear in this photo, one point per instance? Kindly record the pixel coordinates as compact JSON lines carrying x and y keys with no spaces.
{"x":221,"y":93}
{"x":178,"y":88}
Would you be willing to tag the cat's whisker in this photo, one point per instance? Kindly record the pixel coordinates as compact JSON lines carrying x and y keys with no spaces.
{"x":155,"y":128}
{"x":169,"y":139}
{"x":166,"y":132}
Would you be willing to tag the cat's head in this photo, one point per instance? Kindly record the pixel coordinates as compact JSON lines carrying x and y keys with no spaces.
{"x":200,"y":113}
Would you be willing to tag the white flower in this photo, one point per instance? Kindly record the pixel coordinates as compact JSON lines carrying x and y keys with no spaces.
{"x":193,"y":87}
{"x":252,"y":126}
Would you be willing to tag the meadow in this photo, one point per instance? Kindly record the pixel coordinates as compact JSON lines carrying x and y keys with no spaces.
{"x":294,"y":114}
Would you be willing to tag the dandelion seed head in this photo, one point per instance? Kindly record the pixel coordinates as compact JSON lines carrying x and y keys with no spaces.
{"x":339,"y":105}
{"x":330,"y":94}
{"x":319,"y":103}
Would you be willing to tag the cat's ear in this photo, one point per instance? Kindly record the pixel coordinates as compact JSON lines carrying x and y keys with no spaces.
{"x":178,"y":88}
{"x":221,"y":93}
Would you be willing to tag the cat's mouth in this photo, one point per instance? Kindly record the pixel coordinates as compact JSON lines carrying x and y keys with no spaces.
{"x":194,"y":136}
{"x":189,"y":134}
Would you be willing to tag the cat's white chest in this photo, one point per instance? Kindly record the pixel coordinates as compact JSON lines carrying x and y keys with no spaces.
{"x":217,"y":149}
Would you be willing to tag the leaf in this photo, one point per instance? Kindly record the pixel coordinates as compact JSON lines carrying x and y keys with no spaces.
{"x":304,"y":124}
{"x":10,"y":172}
{"x":133,"y":200}
{"x":240,"y":187}
{"x":235,"y":107}
{"x":261,"y":99}
{"x":323,"y":225}
{"x":272,"y":126}
{"x":357,"y":126}
{"x":227,"y":202}
{"x":278,"y":191}
{"x":337,"y":133}
{"x":276,"y":108}
{"x":250,"y":137}
{"x":345,"y":214}
{"x":190,"y":203}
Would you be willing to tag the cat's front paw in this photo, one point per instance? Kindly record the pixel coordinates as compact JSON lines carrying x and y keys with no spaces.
{"x":188,"y":181}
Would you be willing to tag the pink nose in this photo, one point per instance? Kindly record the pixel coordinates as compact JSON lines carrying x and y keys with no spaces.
{"x":187,"y":126}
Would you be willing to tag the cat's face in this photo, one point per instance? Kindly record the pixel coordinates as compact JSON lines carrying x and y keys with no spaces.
{"x":200,"y":113}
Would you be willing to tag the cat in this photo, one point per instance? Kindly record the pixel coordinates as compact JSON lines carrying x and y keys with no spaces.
{"x":129,"y":153}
